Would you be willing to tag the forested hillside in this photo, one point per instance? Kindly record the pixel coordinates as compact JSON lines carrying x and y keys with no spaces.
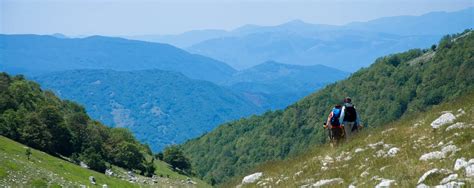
{"x":160,"y":107}
{"x":395,"y":85}
{"x":67,"y":137}
{"x":42,"y":121}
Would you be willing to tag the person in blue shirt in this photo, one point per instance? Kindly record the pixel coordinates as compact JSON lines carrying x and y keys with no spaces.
{"x":334,"y":126}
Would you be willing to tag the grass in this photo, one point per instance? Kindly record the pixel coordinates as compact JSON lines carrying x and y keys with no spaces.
{"x":405,"y":167}
{"x":164,"y":169}
{"x":43,"y":170}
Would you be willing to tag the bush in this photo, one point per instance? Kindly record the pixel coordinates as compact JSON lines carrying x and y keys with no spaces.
{"x":94,"y":160}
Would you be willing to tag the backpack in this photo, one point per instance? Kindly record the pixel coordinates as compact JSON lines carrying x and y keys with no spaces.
{"x":350,"y":113}
{"x":336,"y":113}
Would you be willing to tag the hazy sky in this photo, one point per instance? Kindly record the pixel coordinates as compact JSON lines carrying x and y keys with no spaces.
{"x":134,"y":17}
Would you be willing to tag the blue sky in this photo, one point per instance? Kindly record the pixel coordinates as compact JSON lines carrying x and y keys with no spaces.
{"x":136,"y":17}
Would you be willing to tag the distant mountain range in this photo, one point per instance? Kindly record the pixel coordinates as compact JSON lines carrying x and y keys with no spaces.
{"x":348,"y":47}
{"x":160,"y":107}
{"x":34,"y":54}
{"x":163,"y":108}
{"x":344,"y":50}
{"x":273,"y":85}
{"x":183,"y":40}
{"x":433,"y":23}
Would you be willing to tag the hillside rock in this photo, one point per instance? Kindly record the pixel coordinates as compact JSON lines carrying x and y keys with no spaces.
{"x":470,"y":170}
{"x":109,"y":172}
{"x":327,"y":160}
{"x":452,"y":184}
{"x":439,"y":154}
{"x":432,"y":172}
{"x":458,"y":125}
{"x":327,"y":182}
{"x":83,"y":165}
{"x":385,"y":183}
{"x":422,"y":186}
{"x":451,"y":177}
{"x":460,"y":112}
{"x":450,"y":149}
{"x":444,"y":119}
{"x":375,"y":145}
{"x":92,"y":180}
{"x":357,"y":150}
{"x":252,"y":178}
{"x":432,"y":155}
{"x":460,"y":163}
{"x":392,"y":152}
{"x":364,"y":174}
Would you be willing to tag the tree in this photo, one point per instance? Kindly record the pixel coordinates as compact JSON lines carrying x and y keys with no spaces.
{"x":35,"y":134}
{"x":10,"y":123}
{"x":393,"y":60}
{"x":175,"y":157}
{"x":77,"y":124}
{"x":93,"y":159}
{"x":127,"y":155}
{"x":25,"y":94}
{"x":61,"y":136}
{"x":6,"y":100}
{"x":149,"y":168}
{"x":433,"y":47}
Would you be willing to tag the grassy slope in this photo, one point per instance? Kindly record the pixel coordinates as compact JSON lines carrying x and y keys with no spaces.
{"x":405,"y":168}
{"x":43,"y":170}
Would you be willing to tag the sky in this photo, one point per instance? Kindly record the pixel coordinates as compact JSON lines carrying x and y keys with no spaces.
{"x":139,"y":17}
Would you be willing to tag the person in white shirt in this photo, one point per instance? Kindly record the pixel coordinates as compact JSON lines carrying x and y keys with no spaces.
{"x":349,"y":118}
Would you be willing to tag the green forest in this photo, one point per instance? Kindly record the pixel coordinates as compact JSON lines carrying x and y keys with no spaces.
{"x":42,"y":121}
{"x":394,"y":86}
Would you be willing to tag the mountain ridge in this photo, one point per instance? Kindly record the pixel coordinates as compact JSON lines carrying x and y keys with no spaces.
{"x":274,"y":85}
{"x":307,"y":44}
{"x":33,"y":54}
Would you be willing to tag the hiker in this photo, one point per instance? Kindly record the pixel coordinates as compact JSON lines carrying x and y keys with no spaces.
{"x":349,"y":118}
{"x":334,"y":126}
